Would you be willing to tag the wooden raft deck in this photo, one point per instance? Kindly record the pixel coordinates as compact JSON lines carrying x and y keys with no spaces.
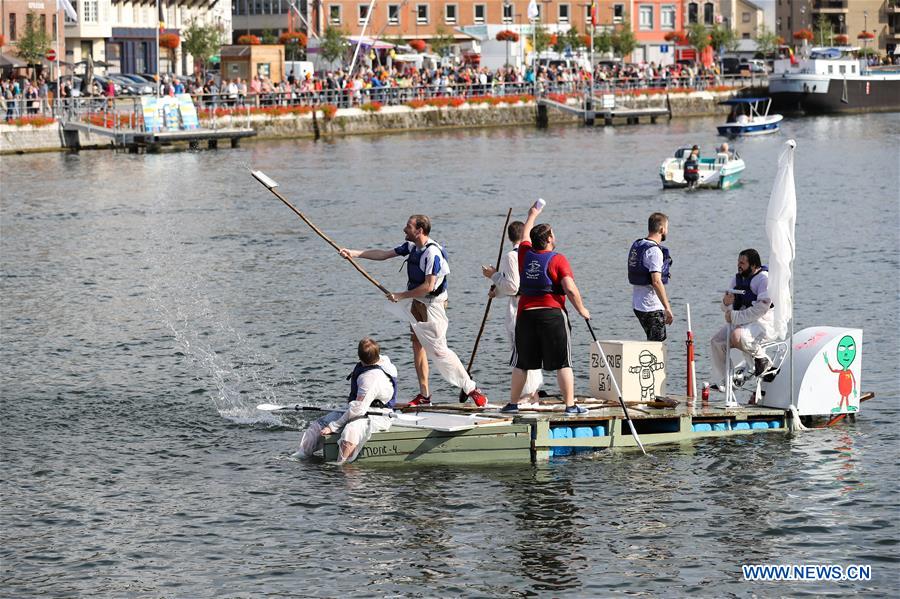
{"x":538,"y":436}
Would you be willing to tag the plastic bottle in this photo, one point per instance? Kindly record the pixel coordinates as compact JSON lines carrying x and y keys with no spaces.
{"x":704,"y":393}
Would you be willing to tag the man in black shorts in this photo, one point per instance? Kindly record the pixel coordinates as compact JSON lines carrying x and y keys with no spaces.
{"x":542,"y":324}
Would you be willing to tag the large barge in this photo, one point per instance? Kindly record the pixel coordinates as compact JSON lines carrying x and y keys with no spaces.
{"x":834,"y":80}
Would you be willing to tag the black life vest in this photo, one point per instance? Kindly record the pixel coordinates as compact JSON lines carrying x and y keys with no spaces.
{"x":353,"y":377}
{"x":638,"y":274}
{"x":743,"y":283}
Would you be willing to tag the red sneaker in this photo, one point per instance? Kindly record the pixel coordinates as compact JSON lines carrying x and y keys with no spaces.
{"x":478,"y":397}
{"x":420,"y":400}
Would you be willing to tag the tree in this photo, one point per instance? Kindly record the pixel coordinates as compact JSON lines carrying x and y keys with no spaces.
{"x":541,"y":38}
{"x":269,"y":37}
{"x":333,"y":44}
{"x":698,"y":37}
{"x":823,"y":30}
{"x":442,"y":40}
{"x":766,"y":41}
{"x":623,"y":42}
{"x":202,"y":42}
{"x":723,"y":38}
{"x":603,"y":41}
{"x":34,"y":43}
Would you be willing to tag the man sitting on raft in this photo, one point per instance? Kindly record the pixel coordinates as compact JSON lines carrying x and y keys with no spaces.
{"x":373,"y":392}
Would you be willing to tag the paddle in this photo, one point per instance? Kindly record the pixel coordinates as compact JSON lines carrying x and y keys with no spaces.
{"x":270,"y":407}
{"x":487,"y":308}
{"x":616,"y":385}
{"x":269,"y":184}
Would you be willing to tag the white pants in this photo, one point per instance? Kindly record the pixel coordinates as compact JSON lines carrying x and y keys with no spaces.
{"x":432,"y":335}
{"x":356,"y":432}
{"x":534,"y":379}
{"x":752,"y":336}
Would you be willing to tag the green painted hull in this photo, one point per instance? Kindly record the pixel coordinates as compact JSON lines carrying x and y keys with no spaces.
{"x":531,"y":437}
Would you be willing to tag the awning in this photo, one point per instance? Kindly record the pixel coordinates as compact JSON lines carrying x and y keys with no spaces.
{"x":11,"y":62}
{"x":368,"y":42}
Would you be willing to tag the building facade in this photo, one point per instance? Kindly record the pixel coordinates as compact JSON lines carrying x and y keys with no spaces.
{"x":15,"y":15}
{"x":845,"y":17}
{"x":122,"y":33}
{"x":745,"y":18}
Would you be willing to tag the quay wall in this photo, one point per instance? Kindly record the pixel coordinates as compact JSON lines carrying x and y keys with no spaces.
{"x":354,"y":121}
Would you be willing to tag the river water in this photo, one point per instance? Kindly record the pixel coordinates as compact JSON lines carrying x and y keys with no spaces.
{"x":149,"y":302}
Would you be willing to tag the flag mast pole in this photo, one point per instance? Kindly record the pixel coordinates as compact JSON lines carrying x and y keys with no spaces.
{"x":158,"y":25}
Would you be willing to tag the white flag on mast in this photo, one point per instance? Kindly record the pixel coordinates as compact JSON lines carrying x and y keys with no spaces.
{"x":533,"y":10}
{"x":781,"y":218}
{"x":66,"y":5}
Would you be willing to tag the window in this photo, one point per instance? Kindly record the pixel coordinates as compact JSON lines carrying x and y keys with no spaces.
{"x":480,"y":10}
{"x":12,"y":27}
{"x":693,"y":13}
{"x":830,"y":69}
{"x":334,"y":14}
{"x":563,"y":13}
{"x":362,"y":11}
{"x":42,"y":22}
{"x":618,"y":13}
{"x":507,"y":13}
{"x":90,"y":11}
{"x":450,"y":14}
{"x":667,"y":17}
{"x":645,"y":17}
{"x":393,"y":12}
{"x":709,"y":11}
{"x":842,"y":69}
{"x":421,"y":14}
{"x":745,"y":17}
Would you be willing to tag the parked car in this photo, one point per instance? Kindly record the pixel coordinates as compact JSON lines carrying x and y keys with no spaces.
{"x":101,"y":82}
{"x":731,"y":65}
{"x":131,"y":86}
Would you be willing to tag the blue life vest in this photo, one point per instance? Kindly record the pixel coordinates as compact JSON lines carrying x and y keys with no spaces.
{"x":746,"y":300}
{"x":534,"y":279}
{"x":415,"y":273}
{"x":638,"y":274}
{"x":353,"y":377}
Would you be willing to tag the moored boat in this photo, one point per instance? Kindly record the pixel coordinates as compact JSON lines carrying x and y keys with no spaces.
{"x":834,"y":80}
{"x":720,"y":172}
{"x":747,"y":118}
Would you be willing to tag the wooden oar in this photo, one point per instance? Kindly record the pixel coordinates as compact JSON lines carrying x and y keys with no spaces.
{"x":616,"y":385}
{"x":269,"y":184}
{"x":487,"y":308}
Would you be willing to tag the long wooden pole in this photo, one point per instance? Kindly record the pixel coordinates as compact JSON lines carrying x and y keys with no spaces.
{"x":319,"y":232}
{"x":487,"y":308}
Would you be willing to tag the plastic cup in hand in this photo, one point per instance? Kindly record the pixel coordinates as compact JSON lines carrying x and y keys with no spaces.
{"x":539,"y":205}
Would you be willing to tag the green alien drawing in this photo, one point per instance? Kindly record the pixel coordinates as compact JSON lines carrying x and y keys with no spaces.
{"x":846,"y":353}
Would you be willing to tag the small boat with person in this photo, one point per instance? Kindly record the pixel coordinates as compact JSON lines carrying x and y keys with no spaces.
{"x":747,"y":117}
{"x":719,"y":172}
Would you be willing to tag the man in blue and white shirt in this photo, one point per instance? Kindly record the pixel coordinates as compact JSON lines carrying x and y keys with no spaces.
{"x":427,"y":269}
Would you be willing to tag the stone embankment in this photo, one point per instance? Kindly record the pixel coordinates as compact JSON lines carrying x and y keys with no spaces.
{"x":354,"y":121}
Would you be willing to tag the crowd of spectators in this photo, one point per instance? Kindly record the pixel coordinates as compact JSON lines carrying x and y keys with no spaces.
{"x":395,"y":84}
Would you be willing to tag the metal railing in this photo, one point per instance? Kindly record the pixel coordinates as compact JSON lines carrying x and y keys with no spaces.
{"x":125,"y":113}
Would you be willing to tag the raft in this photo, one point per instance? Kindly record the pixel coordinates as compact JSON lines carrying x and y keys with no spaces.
{"x":539,"y":436}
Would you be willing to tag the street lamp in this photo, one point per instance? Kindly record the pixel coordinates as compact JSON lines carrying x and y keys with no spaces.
{"x":866,"y":39}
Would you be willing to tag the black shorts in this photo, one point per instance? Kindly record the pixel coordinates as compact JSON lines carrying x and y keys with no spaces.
{"x":654,"y":324}
{"x":542,"y":340}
